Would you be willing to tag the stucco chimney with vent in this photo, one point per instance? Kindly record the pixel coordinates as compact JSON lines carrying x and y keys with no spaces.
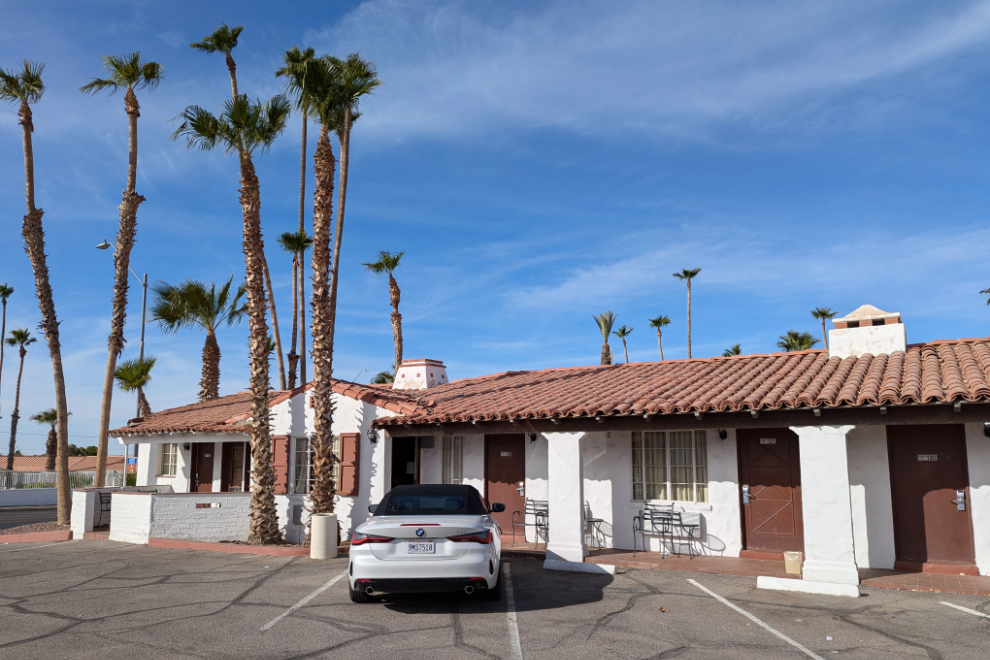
{"x":419,"y":375}
{"x":867,"y":330}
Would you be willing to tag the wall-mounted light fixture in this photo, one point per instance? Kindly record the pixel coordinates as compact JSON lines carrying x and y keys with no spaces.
{"x":722,"y":434}
{"x":986,"y":429}
{"x":532,"y":437}
{"x":186,"y":446}
{"x":372,"y":435}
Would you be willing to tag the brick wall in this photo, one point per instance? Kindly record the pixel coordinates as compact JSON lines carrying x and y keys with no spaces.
{"x":226,"y":518}
{"x":131,"y":517}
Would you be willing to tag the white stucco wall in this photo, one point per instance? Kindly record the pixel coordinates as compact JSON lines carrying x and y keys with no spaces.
{"x":874,"y":339}
{"x":140,"y":516}
{"x":869,"y":489}
{"x":978,"y":458}
{"x":294,"y":533}
{"x":131,"y":518}
{"x":81,"y":517}
{"x":28,"y":497}
{"x":473,"y":449}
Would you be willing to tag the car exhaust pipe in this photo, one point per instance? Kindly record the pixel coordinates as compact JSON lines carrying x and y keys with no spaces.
{"x":370,"y":591}
{"x":469,"y":590}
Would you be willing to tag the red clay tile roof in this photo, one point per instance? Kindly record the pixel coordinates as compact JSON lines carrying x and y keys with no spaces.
{"x":230,"y":414}
{"x":937,"y":372}
{"x":76,"y":463}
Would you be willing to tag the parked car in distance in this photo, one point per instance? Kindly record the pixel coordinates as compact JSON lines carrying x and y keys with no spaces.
{"x":427,"y":538}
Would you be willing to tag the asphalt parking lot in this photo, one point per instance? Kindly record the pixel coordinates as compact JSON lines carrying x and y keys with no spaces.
{"x":96,"y":599}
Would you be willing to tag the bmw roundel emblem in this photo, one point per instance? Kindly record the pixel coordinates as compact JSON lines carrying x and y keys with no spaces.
{"x":420,"y":532}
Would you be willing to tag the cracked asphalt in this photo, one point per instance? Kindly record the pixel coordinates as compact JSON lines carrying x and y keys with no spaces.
{"x":96,"y":599}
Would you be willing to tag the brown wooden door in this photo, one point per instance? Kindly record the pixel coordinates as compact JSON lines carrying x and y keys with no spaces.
{"x":505,"y":474}
{"x":927,"y":467}
{"x":769,"y":464}
{"x":232,"y":467}
{"x":202,"y":467}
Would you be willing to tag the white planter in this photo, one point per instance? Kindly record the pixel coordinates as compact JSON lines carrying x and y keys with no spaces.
{"x":323,"y":536}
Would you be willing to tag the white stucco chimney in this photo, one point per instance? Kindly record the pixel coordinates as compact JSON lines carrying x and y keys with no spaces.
{"x":420,"y":375}
{"x":867,"y":330}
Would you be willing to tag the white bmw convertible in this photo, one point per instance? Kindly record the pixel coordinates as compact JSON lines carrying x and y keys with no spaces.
{"x":427,"y":538}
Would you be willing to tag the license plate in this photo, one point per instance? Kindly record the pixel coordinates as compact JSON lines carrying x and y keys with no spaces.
{"x":421,"y":548}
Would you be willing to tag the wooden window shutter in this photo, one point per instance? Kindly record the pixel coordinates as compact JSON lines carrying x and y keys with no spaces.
{"x":350,"y":453}
{"x":280,"y":463}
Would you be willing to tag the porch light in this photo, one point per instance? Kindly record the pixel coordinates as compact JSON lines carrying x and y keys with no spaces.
{"x":532,"y":437}
{"x":372,"y":435}
{"x":186,"y":446}
{"x":986,"y":429}
{"x":722,"y":434}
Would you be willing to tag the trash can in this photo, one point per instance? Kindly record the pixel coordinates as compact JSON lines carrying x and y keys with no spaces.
{"x":323,"y":536}
{"x":792,"y":562}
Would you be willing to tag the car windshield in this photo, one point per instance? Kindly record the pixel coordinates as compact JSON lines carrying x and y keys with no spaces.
{"x":406,"y":501}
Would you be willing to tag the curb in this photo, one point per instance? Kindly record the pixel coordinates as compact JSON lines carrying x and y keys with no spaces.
{"x":236,"y":548}
{"x":37,"y":536}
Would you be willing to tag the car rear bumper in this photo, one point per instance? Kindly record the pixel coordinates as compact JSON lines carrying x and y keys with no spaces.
{"x":420,"y":585}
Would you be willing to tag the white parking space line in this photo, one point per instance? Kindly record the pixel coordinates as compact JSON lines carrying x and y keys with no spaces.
{"x":35,"y":547}
{"x":303,"y":601}
{"x":965,"y":609}
{"x":752,"y":618}
{"x":510,"y":615}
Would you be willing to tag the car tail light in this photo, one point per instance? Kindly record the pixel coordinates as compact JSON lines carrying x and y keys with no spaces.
{"x":478,"y":537}
{"x":361,"y":539}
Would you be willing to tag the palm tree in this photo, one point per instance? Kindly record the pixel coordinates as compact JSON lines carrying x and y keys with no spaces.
{"x":296,"y":243}
{"x":605,"y":322}
{"x":355,"y":78}
{"x":659,"y":323}
{"x":687,"y":275}
{"x":384,"y":377}
{"x":49,"y":417}
{"x":224,"y":40}
{"x":135,"y":375}
{"x":387,"y":263}
{"x":622,"y":333}
{"x":192,"y":304}
{"x":5,"y":292}
{"x":294,"y":71}
{"x":735,"y":349}
{"x":20,"y":339}
{"x":126,"y":72}
{"x":825,"y":314}
{"x":26,"y":87}
{"x":245,"y":127}
{"x":796,"y":341}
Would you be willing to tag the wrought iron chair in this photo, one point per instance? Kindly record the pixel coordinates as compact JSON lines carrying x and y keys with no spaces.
{"x":539,"y":512}
{"x":104,"y":506}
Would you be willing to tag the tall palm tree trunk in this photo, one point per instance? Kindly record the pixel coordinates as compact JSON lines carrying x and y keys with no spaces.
{"x":345,"y":147}
{"x":3,"y":333}
{"x":322,"y":443}
{"x":824,"y":335}
{"x":689,"y":319}
{"x":625,"y":350}
{"x":16,"y":414}
{"x":122,"y":256}
{"x":51,"y":448}
{"x":34,"y":245}
{"x":606,"y":354}
{"x":394,"y":294}
{"x":209,"y":382}
{"x":302,"y":261}
{"x":143,"y":403}
{"x":293,"y":357}
{"x":264,"y":518}
{"x":275,"y":333}
{"x":660,"y":345}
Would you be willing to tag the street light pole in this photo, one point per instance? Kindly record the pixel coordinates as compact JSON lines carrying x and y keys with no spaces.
{"x":144,"y":310}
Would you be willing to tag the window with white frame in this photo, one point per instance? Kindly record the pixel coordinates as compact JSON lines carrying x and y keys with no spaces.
{"x":168,"y":459}
{"x":303,"y":473}
{"x":670,"y":465}
{"x":453,"y":459}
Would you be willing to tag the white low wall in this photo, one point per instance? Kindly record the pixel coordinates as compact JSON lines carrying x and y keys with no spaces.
{"x":28,"y":497}
{"x":187,"y":516}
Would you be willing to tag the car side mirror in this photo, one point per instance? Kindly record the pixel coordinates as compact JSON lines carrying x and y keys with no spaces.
{"x":372,"y":508}
{"x":498,"y":507}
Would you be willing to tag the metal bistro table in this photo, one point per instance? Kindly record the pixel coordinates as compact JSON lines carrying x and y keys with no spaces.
{"x":593,"y":527}
{"x":662,"y":521}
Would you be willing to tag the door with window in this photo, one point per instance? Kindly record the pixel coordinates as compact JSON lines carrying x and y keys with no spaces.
{"x":505,"y":475}
{"x":930,"y":489}
{"x":233,"y":467}
{"x":202,"y":467}
{"x":770,"y":479}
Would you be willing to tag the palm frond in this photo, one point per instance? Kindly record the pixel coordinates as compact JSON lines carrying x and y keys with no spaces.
{"x":192,"y":304}
{"x":126,"y":71}
{"x":384,"y":377}
{"x":222,"y":40}
{"x":796,"y":341}
{"x":660,"y":322}
{"x":134,"y":375}
{"x":295,"y":242}
{"x":49,"y":417}
{"x":823,"y":313}
{"x":6,"y":291}
{"x":735,"y":349}
{"x":202,"y":130}
{"x":623,"y":332}
{"x":387,"y":263}
{"x":24,"y":85}
{"x":295,"y":69}
{"x":687,"y":274}
{"x":605,"y":322}
{"x":20,"y":337}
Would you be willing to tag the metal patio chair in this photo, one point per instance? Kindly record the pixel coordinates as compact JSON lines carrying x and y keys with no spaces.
{"x":539,"y":511}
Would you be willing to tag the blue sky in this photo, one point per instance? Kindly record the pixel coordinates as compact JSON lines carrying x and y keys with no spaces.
{"x":538,"y":162}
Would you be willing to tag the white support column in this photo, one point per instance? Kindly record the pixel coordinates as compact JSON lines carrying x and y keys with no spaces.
{"x":829,"y":550}
{"x":565,"y":486}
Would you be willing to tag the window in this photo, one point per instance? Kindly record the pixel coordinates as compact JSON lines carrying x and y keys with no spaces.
{"x":167,"y":459}
{"x":303,"y":474}
{"x":670,"y":465}
{"x":453,"y":459}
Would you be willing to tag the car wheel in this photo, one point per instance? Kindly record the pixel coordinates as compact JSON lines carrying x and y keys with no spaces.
{"x":360,"y":596}
{"x":495,"y":593}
